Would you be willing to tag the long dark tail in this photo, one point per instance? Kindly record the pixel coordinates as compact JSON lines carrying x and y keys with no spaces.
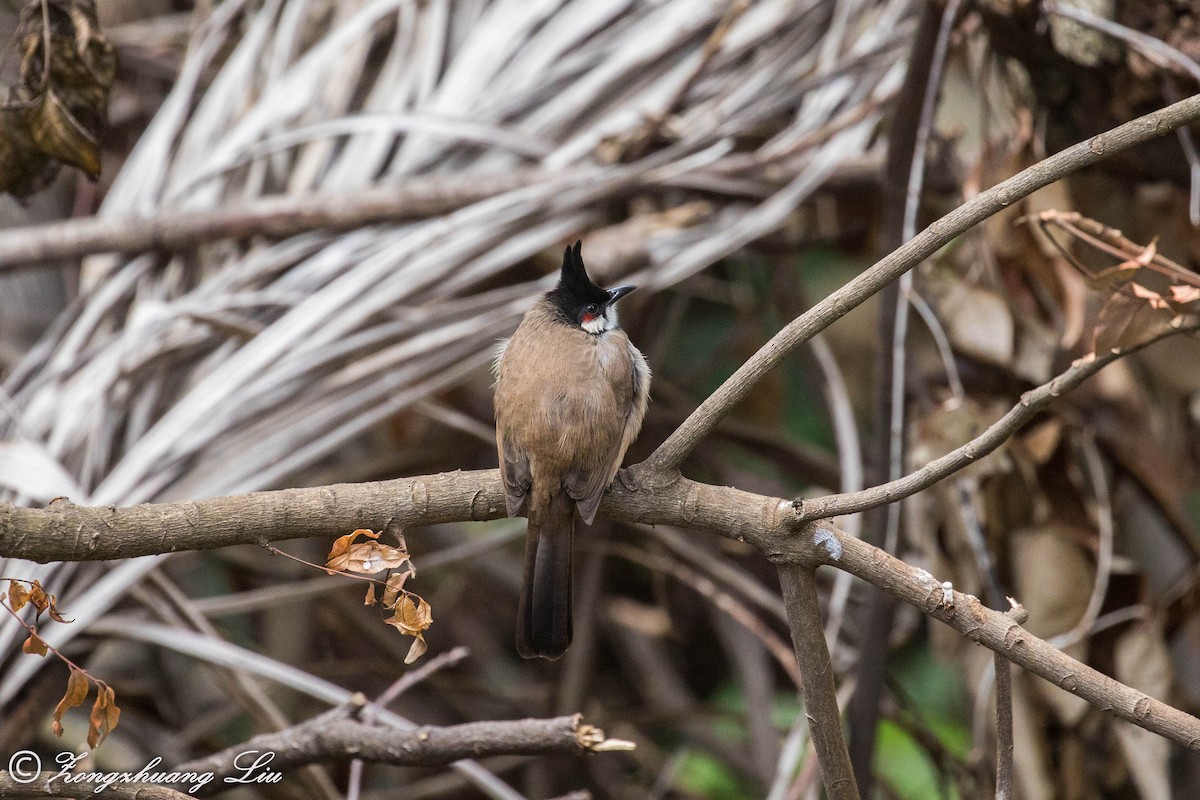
{"x":544,"y":618}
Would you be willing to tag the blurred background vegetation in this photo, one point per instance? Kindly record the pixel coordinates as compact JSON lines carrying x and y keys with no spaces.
{"x":730,"y":159}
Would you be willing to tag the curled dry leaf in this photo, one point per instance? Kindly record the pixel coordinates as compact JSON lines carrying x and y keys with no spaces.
{"x":77,"y":691}
{"x":412,"y":618}
{"x":104,"y":716}
{"x":363,"y":558}
{"x":34,"y":645}
{"x":18,"y":595}
{"x":1135,"y":312}
{"x":56,"y":111}
{"x":55,"y":614}
{"x":38,"y":596}
{"x":394,"y":587}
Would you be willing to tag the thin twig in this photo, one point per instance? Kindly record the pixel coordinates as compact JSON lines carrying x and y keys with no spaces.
{"x":1030,"y":404}
{"x":270,"y":216}
{"x":704,"y":586}
{"x":1004,"y":712}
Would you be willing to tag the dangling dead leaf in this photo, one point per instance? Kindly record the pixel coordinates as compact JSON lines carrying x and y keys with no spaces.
{"x":413,"y":615}
{"x":57,"y":133}
{"x":369,"y":600}
{"x":418,"y":649}
{"x":55,"y":113}
{"x":412,"y":618}
{"x":34,"y":645}
{"x":363,"y":558}
{"x":55,"y":614}
{"x":394,"y":586}
{"x":341,"y":549}
{"x":38,"y":596}
{"x":77,"y":691}
{"x":104,"y":716}
{"x":18,"y":595}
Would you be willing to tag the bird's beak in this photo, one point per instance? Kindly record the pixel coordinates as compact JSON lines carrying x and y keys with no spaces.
{"x":616,"y":294}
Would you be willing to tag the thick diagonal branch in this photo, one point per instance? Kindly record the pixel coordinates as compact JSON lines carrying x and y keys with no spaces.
{"x":702,"y":421}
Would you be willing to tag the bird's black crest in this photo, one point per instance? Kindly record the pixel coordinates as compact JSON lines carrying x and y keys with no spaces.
{"x":575,"y":289}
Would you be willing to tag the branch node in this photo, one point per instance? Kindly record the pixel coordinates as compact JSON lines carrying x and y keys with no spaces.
{"x":593,"y":739}
{"x":1141,"y":709}
{"x":827,"y":540}
{"x":1017,"y":612}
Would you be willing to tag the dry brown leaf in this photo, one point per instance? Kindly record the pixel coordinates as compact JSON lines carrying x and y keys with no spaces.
{"x":412,"y":618}
{"x":55,"y":113}
{"x":57,"y":133}
{"x":363,"y":558}
{"x":55,"y":614}
{"x":18,"y":595}
{"x":34,"y":645}
{"x":394,"y":586}
{"x":413,"y":615}
{"x":418,"y":649}
{"x":368,"y":558}
{"x":341,"y":547}
{"x":104,"y":716}
{"x":38,"y":596}
{"x":77,"y":692}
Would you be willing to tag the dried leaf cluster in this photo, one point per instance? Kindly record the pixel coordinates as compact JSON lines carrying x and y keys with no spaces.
{"x":56,"y":112}
{"x":105,"y":713}
{"x":411,"y":615}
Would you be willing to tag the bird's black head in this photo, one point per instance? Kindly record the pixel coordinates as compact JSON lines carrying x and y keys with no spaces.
{"x":582,"y":303}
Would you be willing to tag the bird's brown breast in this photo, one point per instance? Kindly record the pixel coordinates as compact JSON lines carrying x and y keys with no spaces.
{"x":563,"y":395}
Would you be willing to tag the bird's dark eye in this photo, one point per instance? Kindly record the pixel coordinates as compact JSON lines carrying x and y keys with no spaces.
{"x":591,"y":309}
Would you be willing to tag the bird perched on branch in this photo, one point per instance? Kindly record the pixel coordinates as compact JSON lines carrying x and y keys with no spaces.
{"x":571,"y":392}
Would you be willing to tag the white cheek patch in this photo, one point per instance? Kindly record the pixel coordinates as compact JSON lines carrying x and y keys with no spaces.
{"x":605,"y":322}
{"x":594,"y":325}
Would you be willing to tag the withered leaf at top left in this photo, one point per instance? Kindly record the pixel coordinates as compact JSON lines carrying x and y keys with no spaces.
{"x":54,"y":115}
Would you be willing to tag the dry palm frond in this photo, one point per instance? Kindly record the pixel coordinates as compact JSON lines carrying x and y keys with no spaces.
{"x":235,"y":368}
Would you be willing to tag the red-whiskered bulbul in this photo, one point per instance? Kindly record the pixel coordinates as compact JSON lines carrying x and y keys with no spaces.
{"x":571,"y":391}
